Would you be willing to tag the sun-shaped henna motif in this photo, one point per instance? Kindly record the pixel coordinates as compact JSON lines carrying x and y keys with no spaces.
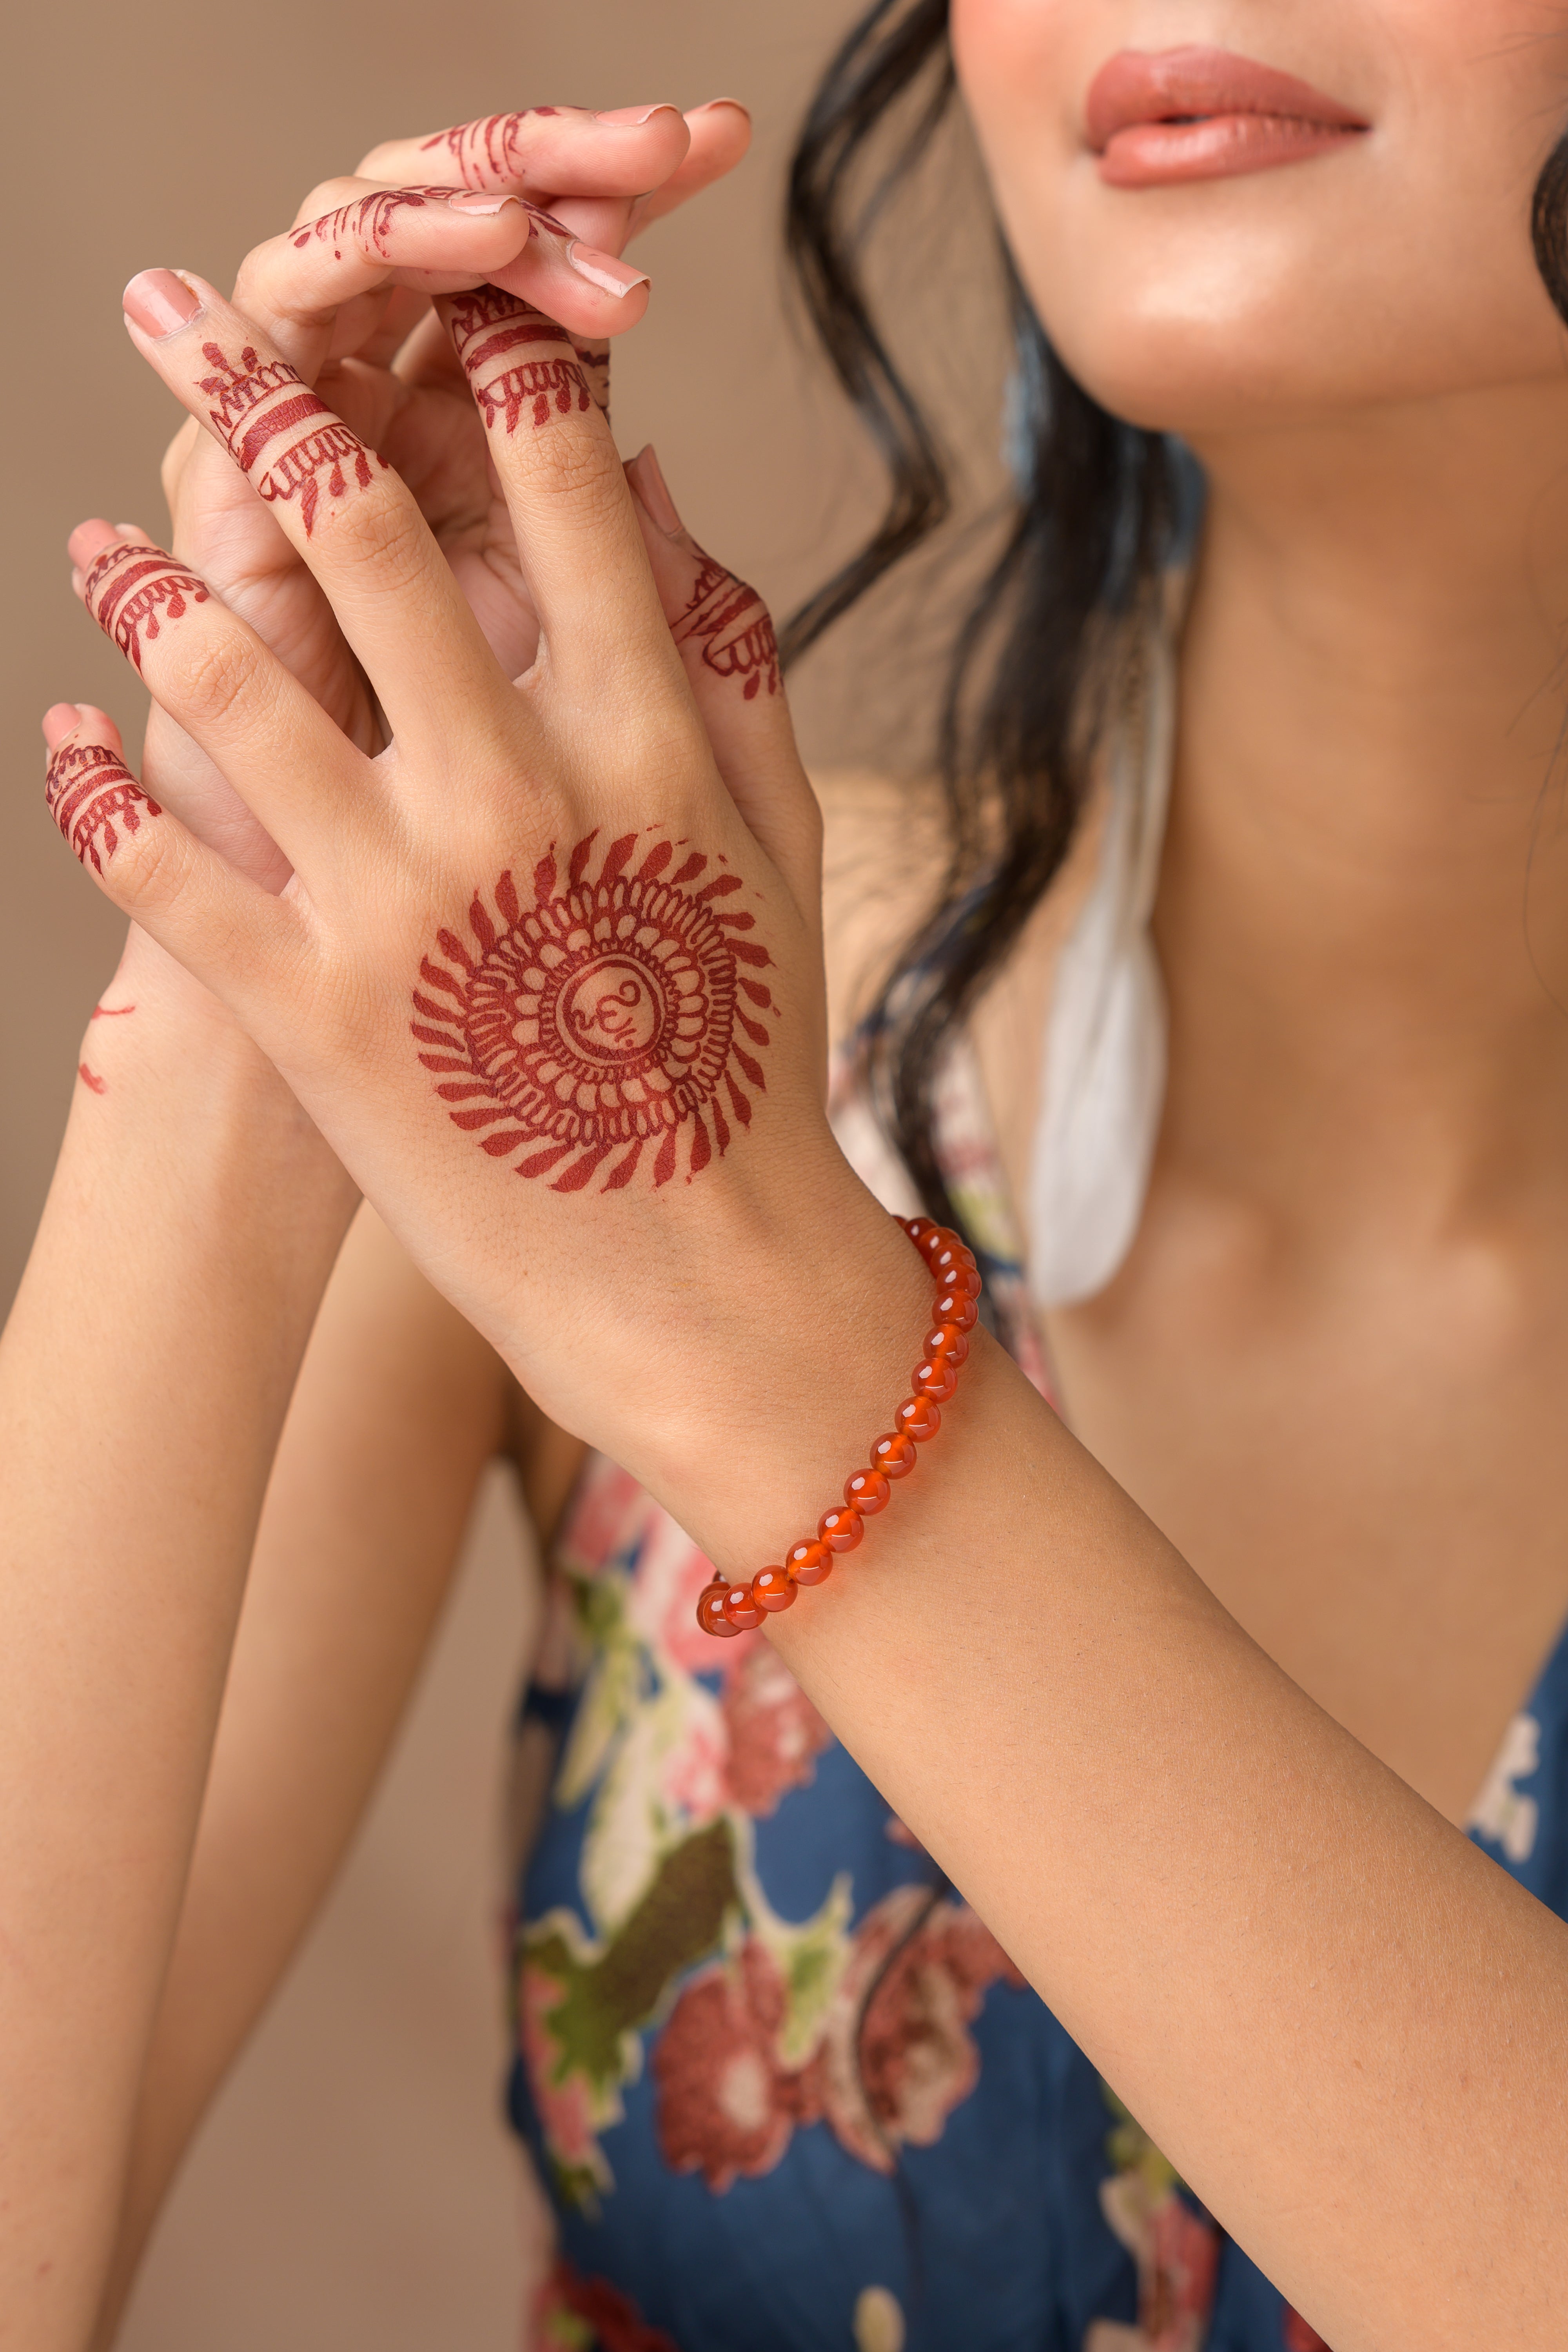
{"x":603,"y":1019}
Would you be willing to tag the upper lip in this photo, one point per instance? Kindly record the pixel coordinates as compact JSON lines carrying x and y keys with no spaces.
{"x":1177,"y":85}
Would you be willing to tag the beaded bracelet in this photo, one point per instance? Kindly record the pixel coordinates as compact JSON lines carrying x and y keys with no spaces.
{"x":724,"y":1608}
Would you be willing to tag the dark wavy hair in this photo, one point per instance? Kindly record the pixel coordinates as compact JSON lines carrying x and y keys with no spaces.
{"x":1103,"y":508}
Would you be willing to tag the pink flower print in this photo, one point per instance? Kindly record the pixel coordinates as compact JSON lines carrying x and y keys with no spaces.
{"x":693,"y":1777}
{"x":671,"y":1573}
{"x":898,"y":2055}
{"x":565,"y":2104}
{"x":776,"y":1732}
{"x":602,"y":1519}
{"x":1177,"y":2254}
{"x":726,"y":2104}
{"x":571,"y":2311}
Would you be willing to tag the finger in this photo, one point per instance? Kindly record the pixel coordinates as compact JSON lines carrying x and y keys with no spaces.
{"x":216,"y":923}
{"x":721,"y":133}
{"x":725,"y":636}
{"x":578,"y":539}
{"x":342,"y":507}
{"x":544,"y":151}
{"x":321,"y":284}
{"x":210,"y":672}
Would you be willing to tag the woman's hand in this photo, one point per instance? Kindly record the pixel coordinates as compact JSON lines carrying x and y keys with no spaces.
{"x":540,"y":202}
{"x":548,"y":974}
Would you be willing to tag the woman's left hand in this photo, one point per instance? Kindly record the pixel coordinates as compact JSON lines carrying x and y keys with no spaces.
{"x":548,"y":975}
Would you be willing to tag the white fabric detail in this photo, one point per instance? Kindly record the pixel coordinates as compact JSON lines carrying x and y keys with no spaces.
{"x":1104,"y":1077}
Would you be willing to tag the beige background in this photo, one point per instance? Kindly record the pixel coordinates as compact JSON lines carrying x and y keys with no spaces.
{"x":353,"y":2187}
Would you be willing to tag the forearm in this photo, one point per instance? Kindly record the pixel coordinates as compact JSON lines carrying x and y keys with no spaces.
{"x":1331,"y":2012}
{"x":143,"y":1378}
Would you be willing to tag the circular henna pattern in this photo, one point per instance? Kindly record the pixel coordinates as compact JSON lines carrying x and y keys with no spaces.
{"x":607,"y":1018}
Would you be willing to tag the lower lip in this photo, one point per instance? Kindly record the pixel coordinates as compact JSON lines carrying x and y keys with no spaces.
{"x":1218,"y":147}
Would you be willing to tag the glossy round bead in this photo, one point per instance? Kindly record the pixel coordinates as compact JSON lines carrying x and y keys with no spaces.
{"x":936,"y":1378}
{"x":956,"y":1306}
{"x":947,"y":1345}
{"x":918,"y":1229}
{"x":810,"y":1563}
{"x":894,"y":1455}
{"x":710,"y":1611}
{"x":935,"y":1237}
{"x":869,"y":1491}
{"x":959,"y":1278}
{"x":840,"y":1528}
{"x":918,"y":1417}
{"x":744,"y":1613}
{"x":952,"y":1256}
{"x":772,"y":1589}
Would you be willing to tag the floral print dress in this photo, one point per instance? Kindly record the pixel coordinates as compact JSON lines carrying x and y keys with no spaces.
{"x":787,"y":2092}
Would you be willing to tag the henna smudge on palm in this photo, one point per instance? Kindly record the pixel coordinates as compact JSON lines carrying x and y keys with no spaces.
{"x":89,"y":791}
{"x":264,"y":402}
{"x":133,"y":589}
{"x":603,"y":1019}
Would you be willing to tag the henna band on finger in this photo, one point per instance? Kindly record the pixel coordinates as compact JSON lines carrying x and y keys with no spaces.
{"x":724,"y":1608}
{"x":89,"y":790}
{"x":267,"y":418}
{"x":132,"y":588}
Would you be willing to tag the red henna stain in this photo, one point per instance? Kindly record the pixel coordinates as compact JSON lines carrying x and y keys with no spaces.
{"x":90,"y":1078}
{"x":89,"y":790}
{"x":368,"y":220}
{"x":733,"y":626}
{"x":486,"y":325}
{"x":598,"y":1023}
{"x":487,"y":149}
{"x":109,"y":1011}
{"x":257,"y":409}
{"x":133,"y":589}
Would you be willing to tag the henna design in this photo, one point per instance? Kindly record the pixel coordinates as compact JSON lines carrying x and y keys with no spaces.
{"x":368,"y":219}
{"x":132,"y":588}
{"x":603,"y":1019}
{"x":487,"y":150}
{"x":735,"y":627}
{"x":88,"y":790}
{"x":90,"y":1078}
{"x":250,"y":417}
{"x":487,"y":325}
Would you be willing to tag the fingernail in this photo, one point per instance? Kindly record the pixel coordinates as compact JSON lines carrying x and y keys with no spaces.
{"x":482,"y":201}
{"x":159,"y":302}
{"x":601,"y":269}
{"x":737,"y":103}
{"x":653,"y":491}
{"x":632,"y":117}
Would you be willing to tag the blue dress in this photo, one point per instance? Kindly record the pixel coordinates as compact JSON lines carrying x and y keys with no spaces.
{"x":787,"y":2092}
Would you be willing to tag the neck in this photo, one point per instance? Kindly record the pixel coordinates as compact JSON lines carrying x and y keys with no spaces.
{"x":1363,"y":908}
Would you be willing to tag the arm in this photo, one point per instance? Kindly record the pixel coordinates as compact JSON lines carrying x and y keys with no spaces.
{"x":397,"y":1410}
{"x":144,"y":1375}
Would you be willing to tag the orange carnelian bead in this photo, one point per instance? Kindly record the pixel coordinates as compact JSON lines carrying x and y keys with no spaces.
{"x":869,"y":1491}
{"x":711,"y":1611}
{"x":918,"y":1229}
{"x":947,"y":1345}
{"x":742,"y":1612}
{"x":840,"y":1528}
{"x":955,"y":1276}
{"x":918,"y":1417}
{"x":809,"y":1563}
{"x":936,"y":1379}
{"x":772,"y":1589}
{"x":894,"y":1456}
{"x":955,"y":1305}
{"x":952,"y":1254}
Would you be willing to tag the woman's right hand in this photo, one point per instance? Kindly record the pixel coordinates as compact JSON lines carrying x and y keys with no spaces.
{"x":344,"y":296}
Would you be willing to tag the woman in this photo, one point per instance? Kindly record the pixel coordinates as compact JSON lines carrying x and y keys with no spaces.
{"x":1212,"y":1814}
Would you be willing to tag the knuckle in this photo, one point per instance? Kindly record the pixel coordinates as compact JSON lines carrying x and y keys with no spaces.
{"x":384,"y":528}
{"x":211,"y":677}
{"x":580,"y":467}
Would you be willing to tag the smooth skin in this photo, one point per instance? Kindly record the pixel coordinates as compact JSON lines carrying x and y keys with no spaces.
{"x":1346,"y":2027}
